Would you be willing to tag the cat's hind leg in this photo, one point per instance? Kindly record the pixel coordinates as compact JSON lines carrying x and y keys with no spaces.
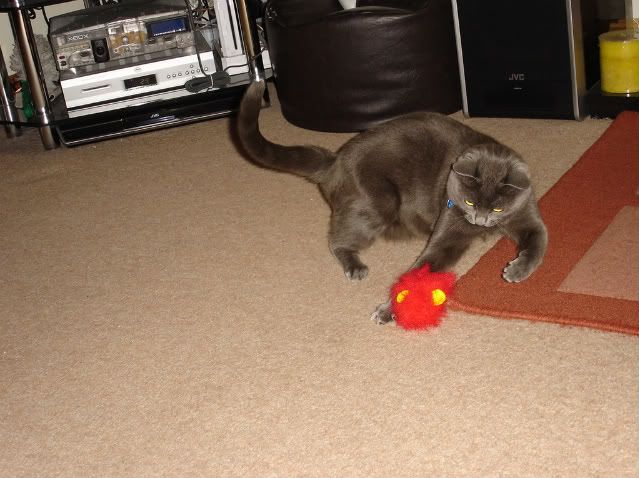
{"x":353,"y":230}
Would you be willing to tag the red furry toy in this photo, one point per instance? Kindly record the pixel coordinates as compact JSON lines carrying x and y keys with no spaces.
{"x":419,"y":297}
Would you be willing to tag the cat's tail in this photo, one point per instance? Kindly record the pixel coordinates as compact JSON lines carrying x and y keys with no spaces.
{"x":311,"y":162}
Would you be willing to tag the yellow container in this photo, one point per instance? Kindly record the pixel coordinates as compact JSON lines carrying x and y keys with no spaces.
{"x":619,"y":55}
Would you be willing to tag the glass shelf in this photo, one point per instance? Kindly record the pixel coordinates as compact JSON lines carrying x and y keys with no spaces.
{"x":21,"y":119}
{"x":609,"y":105}
{"x":138,"y":114}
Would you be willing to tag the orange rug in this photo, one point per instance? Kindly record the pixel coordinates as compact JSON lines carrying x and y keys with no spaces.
{"x":589,"y":275}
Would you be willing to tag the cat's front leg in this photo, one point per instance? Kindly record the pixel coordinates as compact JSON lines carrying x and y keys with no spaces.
{"x":447,"y":243}
{"x":532,"y":243}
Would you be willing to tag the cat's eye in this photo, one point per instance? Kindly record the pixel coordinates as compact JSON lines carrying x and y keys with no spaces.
{"x":498,"y":209}
{"x":469,"y":203}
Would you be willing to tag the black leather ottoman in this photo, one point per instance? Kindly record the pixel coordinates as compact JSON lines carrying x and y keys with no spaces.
{"x":346,"y":70}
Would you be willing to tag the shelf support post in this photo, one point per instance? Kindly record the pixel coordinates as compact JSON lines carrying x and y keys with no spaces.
{"x":23,"y":34}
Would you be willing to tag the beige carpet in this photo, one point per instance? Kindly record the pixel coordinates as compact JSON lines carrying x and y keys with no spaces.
{"x":168,"y":309}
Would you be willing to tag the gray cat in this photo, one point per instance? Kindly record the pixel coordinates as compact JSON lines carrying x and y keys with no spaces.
{"x":423,"y":174}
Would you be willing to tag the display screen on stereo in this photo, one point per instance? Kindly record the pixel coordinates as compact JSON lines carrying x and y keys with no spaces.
{"x":139,"y":81}
{"x":166,"y":27}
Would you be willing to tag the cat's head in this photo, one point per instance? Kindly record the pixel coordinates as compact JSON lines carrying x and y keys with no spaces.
{"x":489,"y":183}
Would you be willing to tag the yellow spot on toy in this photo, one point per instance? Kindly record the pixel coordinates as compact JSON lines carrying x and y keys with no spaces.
{"x":439,"y":297}
{"x":402,"y":295}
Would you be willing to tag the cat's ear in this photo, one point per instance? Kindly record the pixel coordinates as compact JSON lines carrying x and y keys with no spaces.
{"x":518,"y":176}
{"x":466,"y":164}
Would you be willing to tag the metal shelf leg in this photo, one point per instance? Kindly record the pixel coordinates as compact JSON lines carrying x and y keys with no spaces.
{"x":251,"y":46}
{"x":31,"y":63}
{"x":7,"y":99}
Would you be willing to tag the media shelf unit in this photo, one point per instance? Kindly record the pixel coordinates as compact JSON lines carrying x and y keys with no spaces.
{"x":58,"y":126}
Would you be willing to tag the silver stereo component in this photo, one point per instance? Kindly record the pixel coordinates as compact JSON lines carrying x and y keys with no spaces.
{"x":110,"y":33}
{"x":157,"y":96}
{"x":135,"y":80}
{"x":228,"y":27}
{"x":231,"y":46}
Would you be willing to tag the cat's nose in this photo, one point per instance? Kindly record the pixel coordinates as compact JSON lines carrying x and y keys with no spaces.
{"x":481,"y":220}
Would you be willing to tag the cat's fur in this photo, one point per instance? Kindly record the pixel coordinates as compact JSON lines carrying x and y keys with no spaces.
{"x":412,"y":176}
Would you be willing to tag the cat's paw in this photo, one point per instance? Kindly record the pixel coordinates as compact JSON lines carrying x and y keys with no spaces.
{"x":353,"y":267}
{"x":356,"y":272}
{"x":383,"y":314}
{"x":517,"y":270}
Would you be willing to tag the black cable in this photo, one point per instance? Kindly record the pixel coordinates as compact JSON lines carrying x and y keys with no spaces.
{"x":31,"y":13}
{"x":44,"y":15}
{"x":218,"y":79}
{"x":208,"y":81}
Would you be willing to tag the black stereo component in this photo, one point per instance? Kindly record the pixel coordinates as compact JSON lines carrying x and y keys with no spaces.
{"x":114,"y":122}
{"x":521,"y":59}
